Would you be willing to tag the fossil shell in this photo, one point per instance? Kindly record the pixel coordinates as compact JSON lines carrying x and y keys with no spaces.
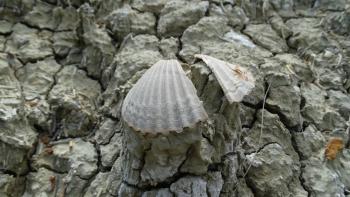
{"x":163,"y":100}
{"x":235,"y":81}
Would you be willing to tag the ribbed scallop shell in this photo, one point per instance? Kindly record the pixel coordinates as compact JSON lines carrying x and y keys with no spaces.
{"x":163,"y":100}
{"x":235,"y":81}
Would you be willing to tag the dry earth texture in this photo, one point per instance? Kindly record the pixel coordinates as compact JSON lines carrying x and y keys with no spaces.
{"x":67,"y":65}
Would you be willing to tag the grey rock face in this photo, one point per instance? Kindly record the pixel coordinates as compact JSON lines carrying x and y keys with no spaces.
{"x":331,"y":5}
{"x":283,"y":8}
{"x":273,"y":160}
{"x":43,"y":183}
{"x":309,"y":142}
{"x":198,"y":36}
{"x":16,"y":137}
{"x":246,"y":115}
{"x":342,"y":168}
{"x":73,"y":156}
{"x":312,"y":93}
{"x":327,"y":117}
{"x":154,"y":6}
{"x":10,"y":185}
{"x":273,"y":131}
{"x":47,"y":183}
{"x":322,"y":181}
{"x":340,"y":101}
{"x":324,"y":118}
{"x":243,"y":189}
{"x":261,"y":10}
{"x":75,"y":186}
{"x":47,"y":16}
{"x":189,"y":186}
{"x":115,"y":177}
{"x":280,"y":27}
{"x":5,"y":27}
{"x":296,"y":66}
{"x":230,"y":170}
{"x":215,"y":184}
{"x":126,"y":20}
{"x":199,"y":76}
{"x":73,"y":99}
{"x":67,"y":65}
{"x":99,"y":51}
{"x":307,"y":34}
{"x":211,"y":91}
{"x":286,"y":100}
{"x":137,"y":53}
{"x":38,"y":78}
{"x":128,"y":191}
{"x":104,"y":7}
{"x":265,"y":36}
{"x":169,"y":47}
{"x":165,"y":157}
{"x":158,"y":193}
{"x":2,"y":43}
{"x":42,"y":17}
{"x":106,"y":131}
{"x":98,"y":187}
{"x":37,"y":44}
{"x":176,"y":16}
{"x":64,"y":43}
{"x":111,"y":151}
{"x":277,"y":73}
{"x":332,"y":77}
{"x":235,"y":15}
{"x":212,"y":36}
{"x":257,"y":94}
{"x":339,"y":22}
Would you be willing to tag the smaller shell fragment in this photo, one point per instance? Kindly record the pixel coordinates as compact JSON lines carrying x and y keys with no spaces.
{"x":235,"y":81}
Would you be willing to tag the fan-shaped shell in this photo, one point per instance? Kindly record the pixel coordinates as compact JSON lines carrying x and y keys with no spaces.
{"x":235,"y":81}
{"x":163,"y":100}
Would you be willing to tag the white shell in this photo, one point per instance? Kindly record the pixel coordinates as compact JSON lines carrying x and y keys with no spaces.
{"x":235,"y":81}
{"x":163,"y":100}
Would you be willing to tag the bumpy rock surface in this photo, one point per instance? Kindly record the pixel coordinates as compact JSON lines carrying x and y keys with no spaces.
{"x":176,"y":16}
{"x":126,"y":20}
{"x":67,"y":65}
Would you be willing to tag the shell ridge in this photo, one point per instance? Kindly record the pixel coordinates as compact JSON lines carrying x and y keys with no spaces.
{"x":126,"y":108}
{"x":142,"y":85}
{"x":159,"y":96}
{"x":177,"y":120}
{"x":223,"y":71}
{"x":171,"y":84}
{"x":150,"y":111}
{"x":190,"y":99}
{"x":140,"y":101}
{"x":129,"y":103}
{"x":185,"y":99}
{"x":197,"y":112}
